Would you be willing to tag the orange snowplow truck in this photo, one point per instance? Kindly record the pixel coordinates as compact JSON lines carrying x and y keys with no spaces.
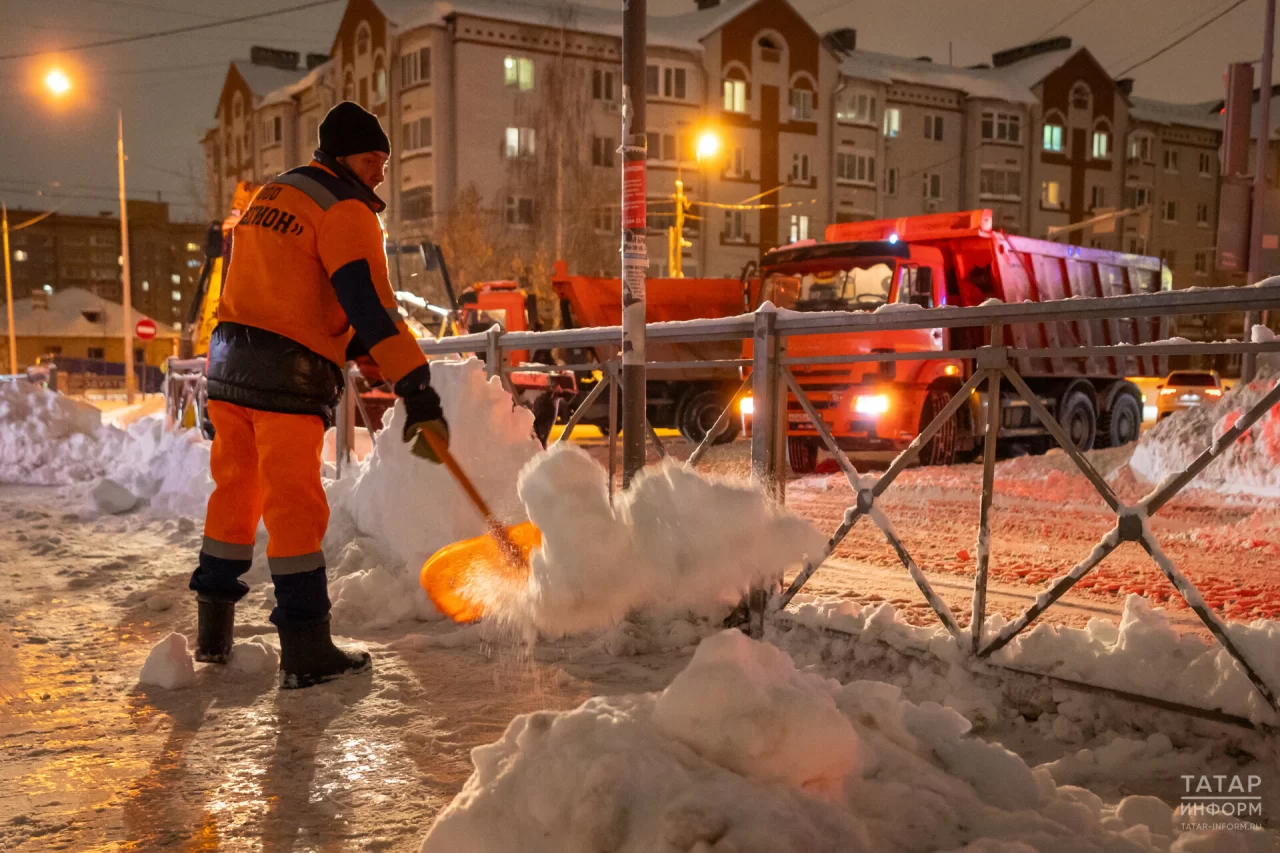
{"x":956,"y":259}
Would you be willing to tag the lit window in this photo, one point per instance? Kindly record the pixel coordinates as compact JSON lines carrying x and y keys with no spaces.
{"x":19,"y":255}
{"x":856,"y":107}
{"x":735,"y":96}
{"x":1051,"y":194}
{"x":518,"y":72}
{"x":1101,"y":145}
{"x":519,"y":143}
{"x":799,"y":228}
{"x":146,"y":286}
{"x":193,"y":247}
{"x":801,"y":105}
{"x":1053,"y":137}
{"x":177,"y":295}
{"x":175,"y":278}
{"x":177,"y":325}
{"x":892,"y":122}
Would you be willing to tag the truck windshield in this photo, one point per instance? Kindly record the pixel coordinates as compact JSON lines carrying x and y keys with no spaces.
{"x":863,"y":286}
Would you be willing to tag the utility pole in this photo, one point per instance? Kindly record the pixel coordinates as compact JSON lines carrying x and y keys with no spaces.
{"x":8,"y":292}
{"x":635,"y":254}
{"x":124,"y":265}
{"x":1262,"y":152}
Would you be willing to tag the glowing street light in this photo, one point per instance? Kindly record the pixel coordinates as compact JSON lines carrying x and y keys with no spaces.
{"x":57,"y":82}
{"x":708,"y":145}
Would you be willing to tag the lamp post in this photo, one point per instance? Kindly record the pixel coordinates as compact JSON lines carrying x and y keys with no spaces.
{"x":59,"y":84}
{"x":706,"y":147}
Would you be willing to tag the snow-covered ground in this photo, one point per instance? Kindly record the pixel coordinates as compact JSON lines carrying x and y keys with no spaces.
{"x":111,"y":742}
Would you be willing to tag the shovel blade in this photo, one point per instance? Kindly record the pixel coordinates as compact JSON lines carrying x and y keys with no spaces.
{"x":446,"y":574}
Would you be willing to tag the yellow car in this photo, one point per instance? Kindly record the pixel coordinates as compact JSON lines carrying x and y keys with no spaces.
{"x":1187,"y":389}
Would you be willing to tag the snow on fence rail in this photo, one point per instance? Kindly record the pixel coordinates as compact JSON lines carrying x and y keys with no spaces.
{"x":771,"y":379}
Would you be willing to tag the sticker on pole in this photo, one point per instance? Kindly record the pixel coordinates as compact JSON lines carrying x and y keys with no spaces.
{"x":633,"y":207}
{"x":635,"y":264}
{"x":145,"y":330}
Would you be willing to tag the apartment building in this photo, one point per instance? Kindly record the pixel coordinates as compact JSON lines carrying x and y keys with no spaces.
{"x":62,"y":251}
{"x":513,"y":109}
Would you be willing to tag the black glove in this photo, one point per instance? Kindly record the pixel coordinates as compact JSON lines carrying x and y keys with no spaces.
{"x":422,"y":411}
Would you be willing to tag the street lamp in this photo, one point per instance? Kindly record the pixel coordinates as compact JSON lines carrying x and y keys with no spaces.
{"x":706,"y":148}
{"x":59,"y":84}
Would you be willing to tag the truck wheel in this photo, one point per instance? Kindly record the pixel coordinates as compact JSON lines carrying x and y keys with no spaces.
{"x":698,"y":414}
{"x":1120,"y":424}
{"x":1079,"y":419}
{"x":941,"y":449}
{"x":802,"y":453}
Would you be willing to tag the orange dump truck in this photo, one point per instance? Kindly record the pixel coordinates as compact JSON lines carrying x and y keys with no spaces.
{"x":957,"y":259}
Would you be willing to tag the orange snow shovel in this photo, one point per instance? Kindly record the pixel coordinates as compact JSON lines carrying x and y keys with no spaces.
{"x":502,"y":552}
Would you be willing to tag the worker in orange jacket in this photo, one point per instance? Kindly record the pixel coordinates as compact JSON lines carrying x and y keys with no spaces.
{"x":306,"y":285}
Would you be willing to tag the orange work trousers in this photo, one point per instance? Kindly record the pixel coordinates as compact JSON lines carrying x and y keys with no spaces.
{"x":266,"y":466}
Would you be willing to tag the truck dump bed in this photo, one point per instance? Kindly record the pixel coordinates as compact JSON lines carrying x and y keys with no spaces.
{"x":983,"y":263}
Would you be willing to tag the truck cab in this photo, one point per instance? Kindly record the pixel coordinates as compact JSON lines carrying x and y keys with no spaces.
{"x":505,"y":303}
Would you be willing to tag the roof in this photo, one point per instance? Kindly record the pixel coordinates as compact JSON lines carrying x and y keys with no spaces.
{"x":974,"y":82}
{"x":684,"y":30}
{"x":1029,"y":72}
{"x":263,"y":79}
{"x":288,"y":92}
{"x":65,"y":317}
{"x":1203,"y":115}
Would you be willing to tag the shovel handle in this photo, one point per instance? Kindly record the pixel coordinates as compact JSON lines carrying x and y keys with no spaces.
{"x":442,"y":453}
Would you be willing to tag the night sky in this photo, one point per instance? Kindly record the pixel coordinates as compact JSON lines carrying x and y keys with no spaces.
{"x":167,"y":87}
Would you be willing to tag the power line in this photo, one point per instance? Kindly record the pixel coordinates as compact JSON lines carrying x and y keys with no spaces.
{"x":1181,"y":39}
{"x":223,"y":22}
{"x":1076,"y":11}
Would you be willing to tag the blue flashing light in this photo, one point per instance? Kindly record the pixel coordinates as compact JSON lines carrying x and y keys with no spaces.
{"x":893,"y":238}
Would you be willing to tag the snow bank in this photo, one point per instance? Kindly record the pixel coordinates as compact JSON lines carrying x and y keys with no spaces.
{"x":167,"y":470}
{"x":1143,"y":654}
{"x":47,"y":439}
{"x":254,"y":656}
{"x":698,"y":768}
{"x":169,"y":665}
{"x":673,"y":541}
{"x":1250,"y":466}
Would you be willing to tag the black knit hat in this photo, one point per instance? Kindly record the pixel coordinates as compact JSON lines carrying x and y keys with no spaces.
{"x":349,"y":129}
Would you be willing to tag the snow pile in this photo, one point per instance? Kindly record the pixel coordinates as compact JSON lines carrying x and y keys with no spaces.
{"x":1250,"y":466}
{"x":744,"y":753}
{"x":397,"y":510}
{"x":673,"y":541}
{"x":169,"y":665}
{"x":169,"y":470}
{"x":254,"y":656}
{"x":47,"y":439}
{"x":1143,"y":654}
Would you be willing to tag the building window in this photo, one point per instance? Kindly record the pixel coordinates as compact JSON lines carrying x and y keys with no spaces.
{"x":602,"y":148}
{"x":415,"y":67}
{"x":1051,"y":195}
{"x":1053,"y":137}
{"x":348,"y":85}
{"x":98,"y":353}
{"x":1081,"y":97}
{"x":379,"y":81}
{"x":519,"y":210}
{"x":519,"y":143}
{"x":1206,"y":164}
{"x":605,"y":221}
{"x":666,"y":81}
{"x":892,"y":122}
{"x":362,"y":39}
{"x":859,"y":107}
{"x":735,"y":96}
{"x":737,"y":164}
{"x":1202,"y":263}
{"x":416,"y":204}
{"x":800,"y":167}
{"x":1101,"y":145}
{"x":932,"y":185}
{"x":1137,"y":196}
{"x":1000,"y":183}
{"x":1169,"y":211}
{"x":602,"y":85}
{"x":1171,"y":160}
{"x":176,"y":294}
{"x":1001,"y":127}
{"x":19,"y":255}
{"x":175,"y":278}
{"x":667,"y":147}
{"x":146,"y":286}
{"x":933,"y":128}
{"x":517,"y":73}
{"x":1202,"y":215}
{"x":801,"y":105}
{"x":1140,"y":149}
{"x":417,"y":135}
{"x":1097,"y":197}
{"x":799,"y":228}
{"x":855,"y":168}
{"x":733,"y":230}
{"x":891,"y":181}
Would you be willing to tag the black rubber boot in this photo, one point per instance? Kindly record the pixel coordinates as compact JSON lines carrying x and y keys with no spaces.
{"x":215,"y":621}
{"x":308,"y":656}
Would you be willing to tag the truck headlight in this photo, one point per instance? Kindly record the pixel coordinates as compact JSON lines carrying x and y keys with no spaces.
{"x":874,"y":405}
{"x":747,"y":406}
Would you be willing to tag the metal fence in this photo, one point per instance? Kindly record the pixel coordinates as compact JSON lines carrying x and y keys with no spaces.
{"x":771,"y":378}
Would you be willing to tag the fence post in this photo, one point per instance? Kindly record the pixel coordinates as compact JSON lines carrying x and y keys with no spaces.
{"x":493,"y":356}
{"x":768,"y":435}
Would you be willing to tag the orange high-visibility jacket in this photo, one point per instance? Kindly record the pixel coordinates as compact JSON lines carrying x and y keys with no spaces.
{"x":308,"y":262}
